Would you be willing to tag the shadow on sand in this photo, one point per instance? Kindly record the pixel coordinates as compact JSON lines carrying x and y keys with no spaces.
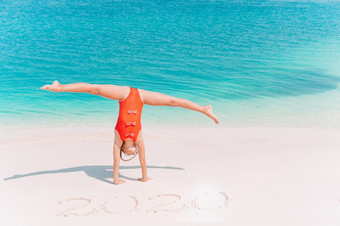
{"x":102,"y":173}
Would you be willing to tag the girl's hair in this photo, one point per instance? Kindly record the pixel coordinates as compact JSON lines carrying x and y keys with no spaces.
{"x":121,"y":151}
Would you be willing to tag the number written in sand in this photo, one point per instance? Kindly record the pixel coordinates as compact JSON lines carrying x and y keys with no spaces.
{"x":109,"y":208}
{"x":77,"y":207}
{"x":210,"y":201}
{"x":160,"y":207}
{"x":162,"y":202}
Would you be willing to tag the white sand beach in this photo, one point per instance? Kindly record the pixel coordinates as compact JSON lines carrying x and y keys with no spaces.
{"x":201,"y":176}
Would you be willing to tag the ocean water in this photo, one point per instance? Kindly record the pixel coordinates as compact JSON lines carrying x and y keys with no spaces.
{"x":258,"y":63}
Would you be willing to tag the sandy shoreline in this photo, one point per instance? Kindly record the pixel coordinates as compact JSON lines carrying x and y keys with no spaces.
{"x":215,"y":176}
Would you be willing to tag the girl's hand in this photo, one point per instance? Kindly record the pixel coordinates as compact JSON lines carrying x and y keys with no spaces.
{"x":145,"y":179}
{"x":119,"y":181}
{"x":54,"y":87}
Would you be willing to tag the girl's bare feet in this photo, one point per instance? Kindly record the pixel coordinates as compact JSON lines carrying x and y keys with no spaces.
{"x":54,"y":87}
{"x":119,"y":181}
{"x":145,"y":179}
{"x":210,"y":114}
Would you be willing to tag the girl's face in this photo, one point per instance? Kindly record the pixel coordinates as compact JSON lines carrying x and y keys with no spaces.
{"x":129,"y":147}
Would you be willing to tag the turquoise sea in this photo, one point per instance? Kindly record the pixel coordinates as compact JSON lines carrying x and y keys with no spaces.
{"x":258,"y":63}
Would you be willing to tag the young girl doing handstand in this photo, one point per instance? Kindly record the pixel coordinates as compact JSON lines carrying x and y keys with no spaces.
{"x":128,"y":135}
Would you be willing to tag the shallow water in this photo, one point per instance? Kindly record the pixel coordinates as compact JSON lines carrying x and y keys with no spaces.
{"x":271,"y":63}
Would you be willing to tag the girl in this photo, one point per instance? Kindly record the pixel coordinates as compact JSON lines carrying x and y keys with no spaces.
{"x":128,"y":136}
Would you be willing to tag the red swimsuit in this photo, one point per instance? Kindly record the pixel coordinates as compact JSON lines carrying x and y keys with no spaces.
{"x":130,"y":112}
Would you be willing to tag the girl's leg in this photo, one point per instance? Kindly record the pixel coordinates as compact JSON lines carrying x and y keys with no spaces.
{"x":74,"y":87}
{"x":79,"y":88}
{"x":159,"y":99}
{"x":109,"y":91}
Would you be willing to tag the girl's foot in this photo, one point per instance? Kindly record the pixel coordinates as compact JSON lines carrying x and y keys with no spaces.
{"x":54,"y":87}
{"x":210,"y":114}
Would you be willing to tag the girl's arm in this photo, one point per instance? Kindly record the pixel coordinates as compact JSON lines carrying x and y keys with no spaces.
{"x":116,"y":160}
{"x":141,"y":151}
